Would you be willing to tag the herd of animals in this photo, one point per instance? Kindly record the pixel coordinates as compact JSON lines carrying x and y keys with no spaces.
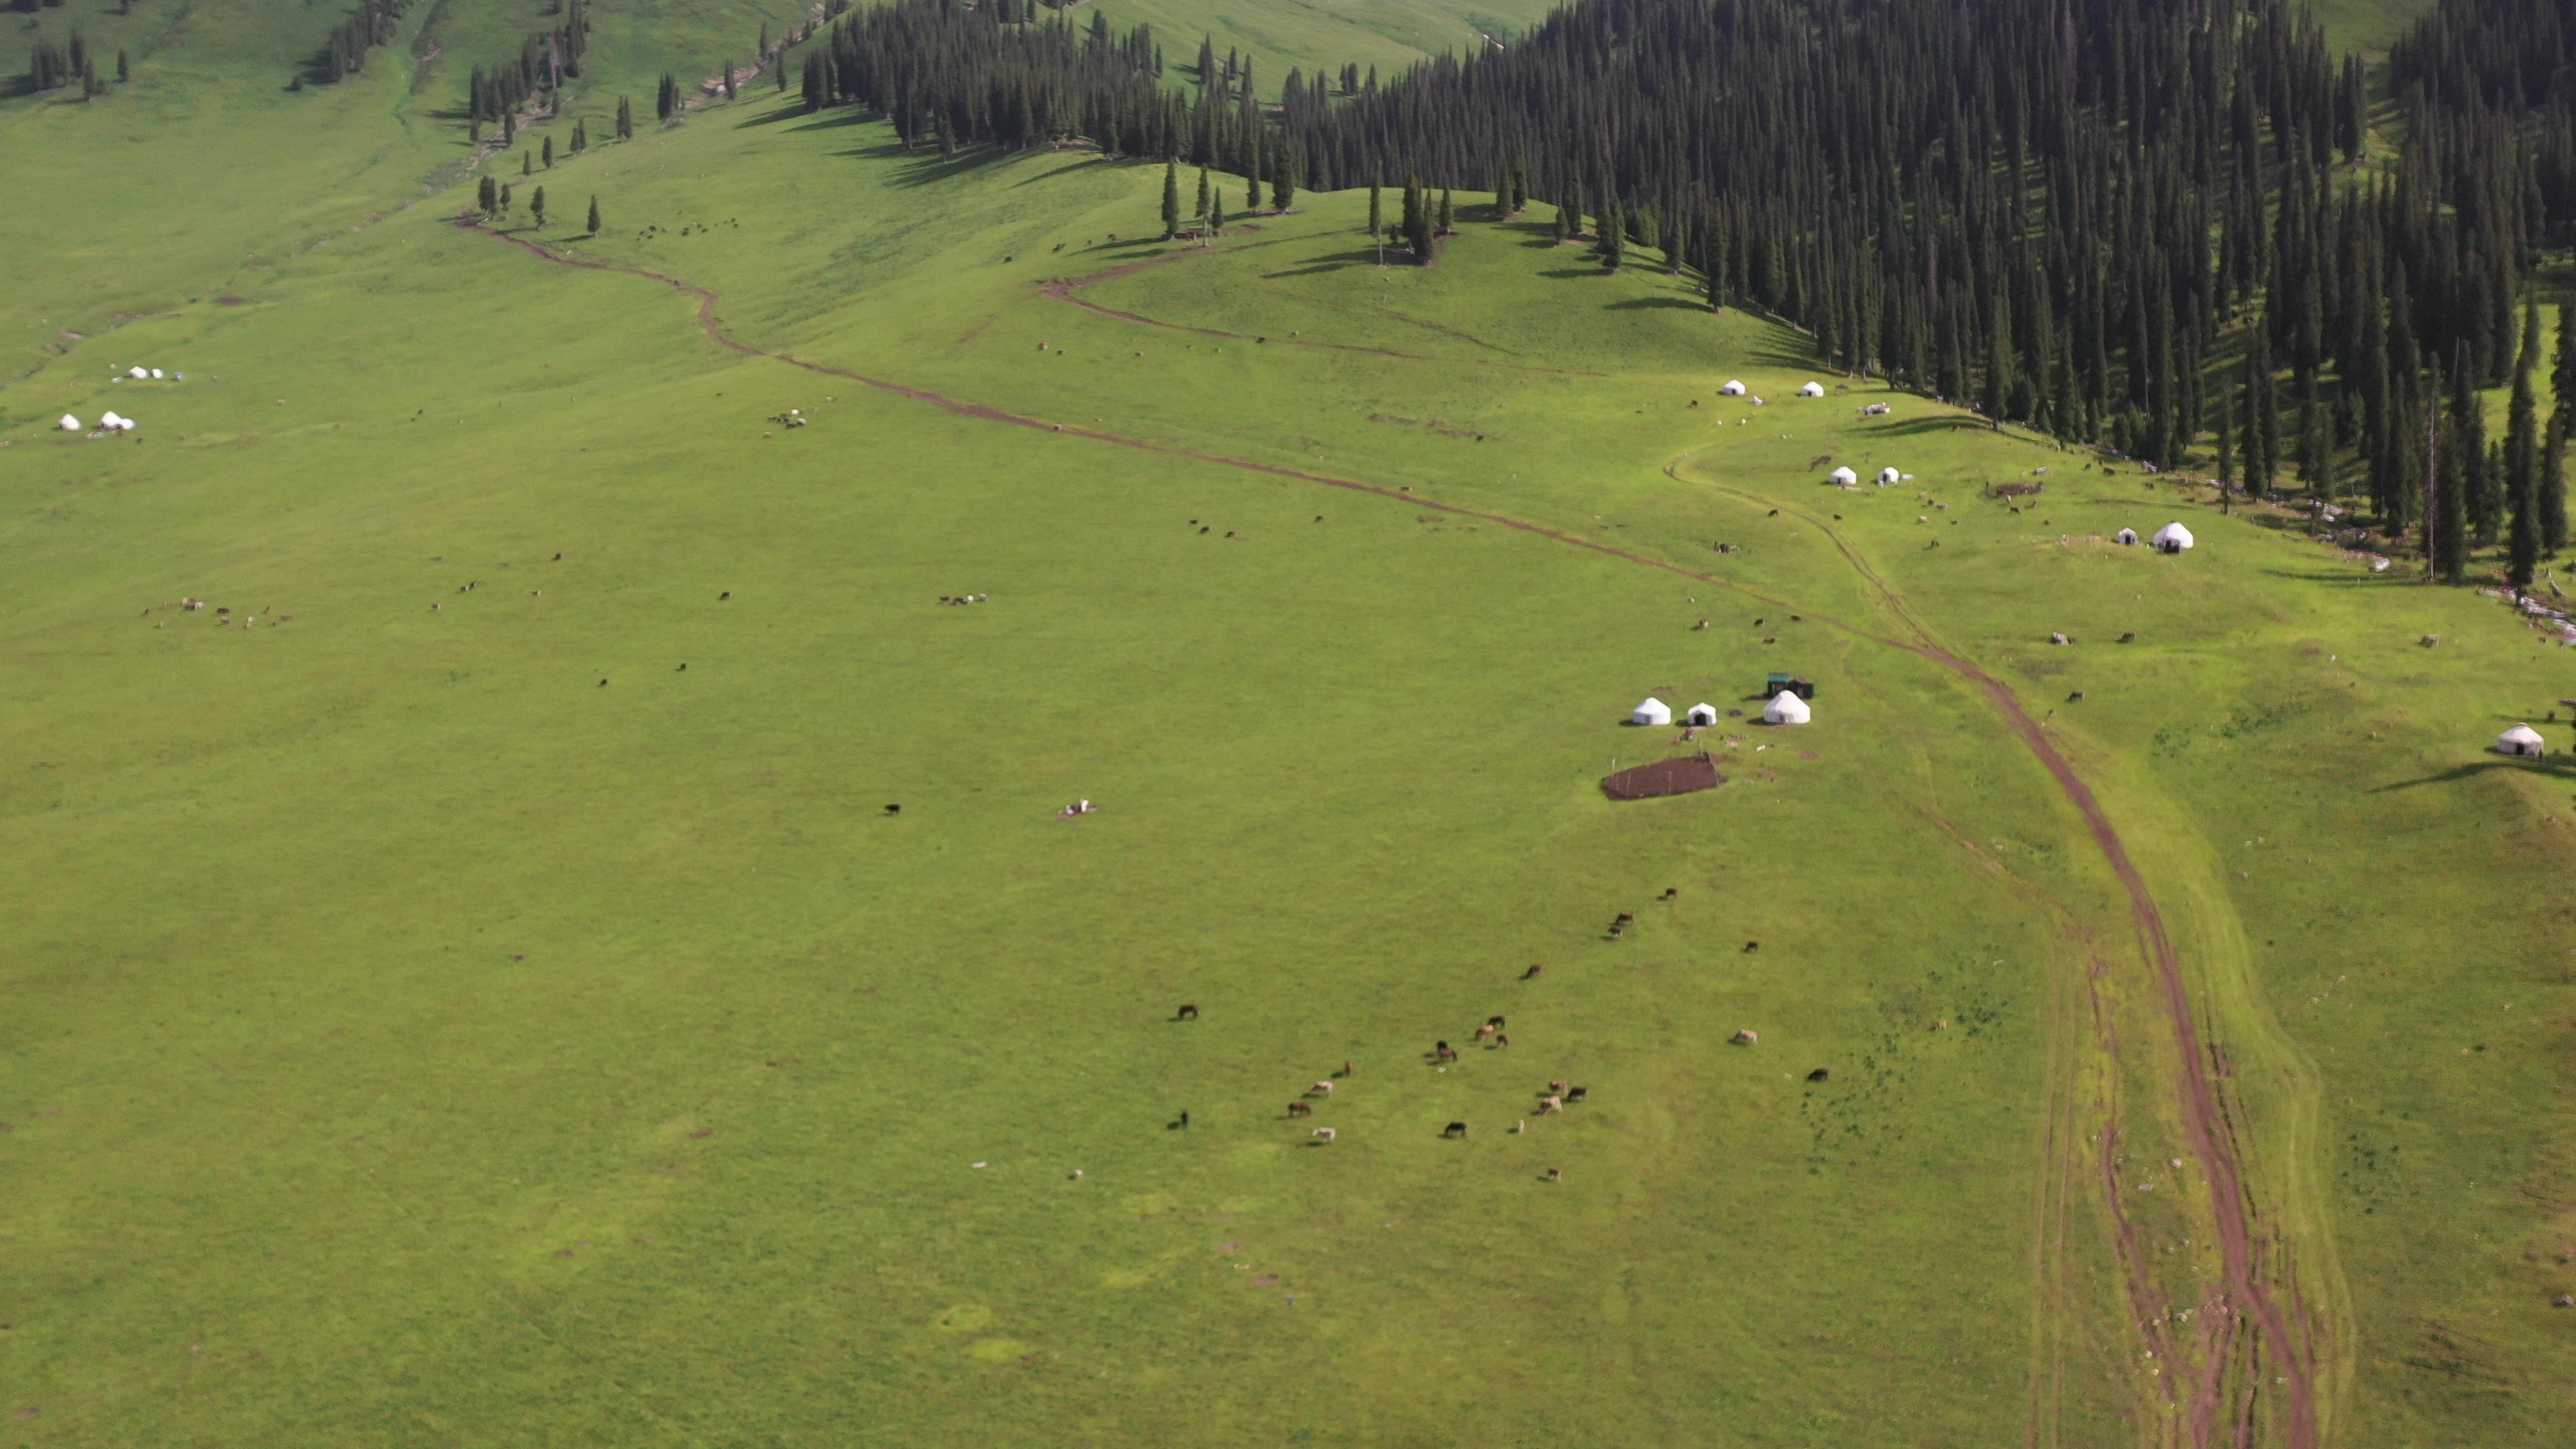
{"x":1558,"y":1095}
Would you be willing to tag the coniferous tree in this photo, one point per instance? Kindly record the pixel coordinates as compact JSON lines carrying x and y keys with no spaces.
{"x":527,"y":164}
{"x":2461,"y":451}
{"x":580,"y":135}
{"x":2552,"y":488}
{"x":550,"y":153}
{"x":2522,"y":459}
{"x":487,"y":197}
{"x":537,"y":207}
{"x":666,"y":102}
{"x":1447,"y":224}
{"x":2481,"y":492}
{"x":1611,"y":241}
{"x":124,"y":68}
{"x":1283,"y":182}
{"x":1171,"y":199}
{"x":727,"y":76}
{"x":594,"y":216}
{"x":1377,"y":216}
{"x":2261,"y":425}
{"x":509,"y":129}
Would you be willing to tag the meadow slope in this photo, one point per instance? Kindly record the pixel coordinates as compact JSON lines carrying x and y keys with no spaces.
{"x":473,"y":988}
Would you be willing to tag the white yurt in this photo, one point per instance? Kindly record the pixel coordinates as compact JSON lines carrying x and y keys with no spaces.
{"x":2522,"y":739}
{"x":1652,"y":712}
{"x":2172,"y":538}
{"x":1887,"y":476}
{"x":156,"y":374}
{"x":69,"y":424}
{"x":1701,"y":714}
{"x":1813,"y":389}
{"x":1786,"y":709}
{"x":138,"y":374}
{"x":2125,"y":536}
{"x":1842,"y":477}
{"x":1732,"y":388}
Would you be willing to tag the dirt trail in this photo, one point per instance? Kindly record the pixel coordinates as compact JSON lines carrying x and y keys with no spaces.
{"x":2197,"y":1098}
{"x":2204,"y":1120}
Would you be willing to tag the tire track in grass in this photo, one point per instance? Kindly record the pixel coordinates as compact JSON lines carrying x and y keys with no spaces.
{"x":2206,"y":1125}
{"x":2197,"y":1098}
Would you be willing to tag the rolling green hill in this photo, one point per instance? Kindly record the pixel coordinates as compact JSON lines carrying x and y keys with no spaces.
{"x":468,"y":982}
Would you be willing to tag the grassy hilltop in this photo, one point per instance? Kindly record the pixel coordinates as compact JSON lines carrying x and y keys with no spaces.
{"x":437,"y":1016}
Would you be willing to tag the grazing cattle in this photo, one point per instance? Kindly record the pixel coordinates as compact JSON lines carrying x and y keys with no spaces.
{"x":1818,"y":1075}
{"x":1324,"y":1134}
{"x":1446,"y":1052}
{"x":1752,"y":945}
{"x":894,"y":810}
{"x":1559,"y":1085}
{"x":1495,"y":1022}
{"x":1671,"y":891}
{"x":1550,"y":1104}
{"x":1627,"y":915}
{"x":1746,"y":1038}
{"x":1502,"y":1038}
{"x":1484,"y":1031}
{"x":1618,"y":928}
{"x":1521,"y":1126}
{"x":1577,"y":1094}
{"x":1186,"y":1013}
{"x":1454,"y":1129}
{"x":727,"y":594}
{"x":1345,"y":1071}
{"x":1534,"y":969}
{"x":1556,"y":1174}
{"x":1320,"y":1089}
{"x":1301,"y":1109}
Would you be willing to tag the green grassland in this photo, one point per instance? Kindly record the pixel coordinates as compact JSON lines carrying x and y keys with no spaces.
{"x":439,"y":1017}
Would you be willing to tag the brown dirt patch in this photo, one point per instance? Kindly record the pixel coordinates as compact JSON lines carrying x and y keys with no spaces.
{"x":1664,"y":777}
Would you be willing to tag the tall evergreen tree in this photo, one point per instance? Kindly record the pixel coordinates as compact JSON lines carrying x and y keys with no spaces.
{"x":594,"y":216}
{"x":2460,"y":451}
{"x":1171,"y":199}
{"x":2522,"y":459}
{"x":537,"y":207}
{"x":2552,"y":489}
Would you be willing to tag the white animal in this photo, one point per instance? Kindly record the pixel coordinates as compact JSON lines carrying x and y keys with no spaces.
{"x":1324,"y":1134}
{"x":156,"y":374}
{"x":1550,"y":1104}
{"x":137,"y":373}
{"x":1324,"y":1087}
{"x":69,"y":424}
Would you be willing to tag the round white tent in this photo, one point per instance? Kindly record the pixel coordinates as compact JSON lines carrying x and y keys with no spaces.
{"x":1887,"y":476}
{"x":1653,"y":712}
{"x":69,"y":424}
{"x":2522,"y":739}
{"x":1813,"y":389}
{"x":1732,"y":388}
{"x":1701,"y":714}
{"x":1842,"y":477}
{"x":1786,"y":709}
{"x":2172,"y":538}
{"x":2125,"y":536}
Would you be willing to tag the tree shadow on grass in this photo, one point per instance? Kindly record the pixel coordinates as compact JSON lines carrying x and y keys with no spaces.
{"x":1641,"y":304}
{"x":1339,"y":261}
{"x":1938,"y":423}
{"x":2561,"y":769}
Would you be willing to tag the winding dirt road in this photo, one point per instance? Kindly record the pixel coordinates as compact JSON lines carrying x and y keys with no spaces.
{"x":2247,"y":1289}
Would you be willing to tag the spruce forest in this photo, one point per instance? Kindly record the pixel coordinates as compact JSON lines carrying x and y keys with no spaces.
{"x":2176,"y":230}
